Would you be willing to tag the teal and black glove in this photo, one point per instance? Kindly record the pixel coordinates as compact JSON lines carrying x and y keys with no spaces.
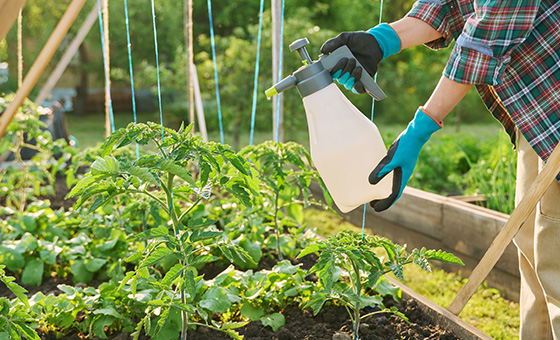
{"x":402,"y":157}
{"x":369,"y":47}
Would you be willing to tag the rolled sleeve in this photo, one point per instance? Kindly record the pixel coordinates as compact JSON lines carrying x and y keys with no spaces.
{"x":434,"y":13}
{"x":490,"y":34}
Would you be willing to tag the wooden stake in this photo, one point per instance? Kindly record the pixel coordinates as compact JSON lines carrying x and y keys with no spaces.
{"x":199,"y":107}
{"x":67,"y":57}
{"x":277,"y":115}
{"x":105,"y":13}
{"x":188,"y":6}
{"x":505,"y":236}
{"x":9,"y":10}
{"x":41,"y":62}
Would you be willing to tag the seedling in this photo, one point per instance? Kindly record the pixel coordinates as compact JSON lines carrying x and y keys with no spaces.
{"x":347,"y":255}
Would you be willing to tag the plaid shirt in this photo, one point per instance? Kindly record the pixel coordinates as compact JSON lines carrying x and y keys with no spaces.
{"x":510,"y":50}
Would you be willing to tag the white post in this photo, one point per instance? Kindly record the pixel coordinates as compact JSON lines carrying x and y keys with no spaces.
{"x":277,"y":116}
{"x":67,"y":57}
{"x":198,"y":101}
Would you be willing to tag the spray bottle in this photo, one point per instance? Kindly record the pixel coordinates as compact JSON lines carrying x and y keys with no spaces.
{"x":345,"y":145}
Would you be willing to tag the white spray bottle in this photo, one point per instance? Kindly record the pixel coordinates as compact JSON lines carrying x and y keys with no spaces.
{"x":345,"y":145}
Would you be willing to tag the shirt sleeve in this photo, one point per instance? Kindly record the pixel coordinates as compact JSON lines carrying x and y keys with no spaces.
{"x":490,"y":34}
{"x":434,"y":13}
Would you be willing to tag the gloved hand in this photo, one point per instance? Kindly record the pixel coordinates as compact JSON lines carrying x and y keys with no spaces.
{"x":369,"y":47}
{"x":402,"y":156}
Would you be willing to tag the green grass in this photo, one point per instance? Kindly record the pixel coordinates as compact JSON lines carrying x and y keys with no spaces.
{"x":487,"y":310}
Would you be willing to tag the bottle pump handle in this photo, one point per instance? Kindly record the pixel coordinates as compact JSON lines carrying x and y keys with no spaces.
{"x":330,"y":60}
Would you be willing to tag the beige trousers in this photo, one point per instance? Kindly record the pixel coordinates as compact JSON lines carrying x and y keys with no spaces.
{"x":538,"y":243}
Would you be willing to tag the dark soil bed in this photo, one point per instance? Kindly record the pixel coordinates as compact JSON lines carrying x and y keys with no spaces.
{"x":333,"y":323}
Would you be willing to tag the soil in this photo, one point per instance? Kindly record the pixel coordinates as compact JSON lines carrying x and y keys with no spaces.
{"x":333,"y":323}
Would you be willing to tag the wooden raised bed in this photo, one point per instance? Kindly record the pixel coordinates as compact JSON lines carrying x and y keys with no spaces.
{"x":441,"y":316}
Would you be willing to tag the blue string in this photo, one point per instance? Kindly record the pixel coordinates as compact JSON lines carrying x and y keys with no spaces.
{"x":107,"y":79}
{"x":280,"y":72}
{"x":372,"y":111}
{"x":256,"y":75}
{"x":131,"y":72}
{"x":157,"y":68}
{"x":215,"y":69}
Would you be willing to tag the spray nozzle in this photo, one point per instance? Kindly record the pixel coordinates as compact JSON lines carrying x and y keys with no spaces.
{"x":315,"y":76}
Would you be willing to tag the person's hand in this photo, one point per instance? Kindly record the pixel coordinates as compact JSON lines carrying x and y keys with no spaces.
{"x":368,"y":47}
{"x":402,"y":156}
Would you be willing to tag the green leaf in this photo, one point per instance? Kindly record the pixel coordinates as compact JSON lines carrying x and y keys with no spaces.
{"x":12,"y":259}
{"x":183,"y":307}
{"x":145,"y":175}
{"x":83,"y":184}
{"x":316,"y":302}
{"x":108,"y":311}
{"x":172,"y":274}
{"x":93,"y":265}
{"x":397,"y":269}
{"x":99,"y":325}
{"x":384,"y":287}
{"x":33,"y":273}
{"x":107,"y":165}
{"x":29,"y":333}
{"x":80,"y":272}
{"x":275,"y":321}
{"x":370,"y":301}
{"x":159,"y":254}
{"x":18,"y":291}
{"x":312,"y":248}
{"x":108,"y":245}
{"x":217,"y":299}
{"x":205,"y":235}
{"x":178,"y":170}
{"x":154,"y":232}
{"x":251,"y":312}
{"x":443,"y":256}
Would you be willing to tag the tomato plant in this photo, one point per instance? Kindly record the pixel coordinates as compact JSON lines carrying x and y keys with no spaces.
{"x":184,"y":173}
{"x":350,"y":256}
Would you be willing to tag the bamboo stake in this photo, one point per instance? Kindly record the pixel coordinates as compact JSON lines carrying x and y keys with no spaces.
{"x":105,"y":12}
{"x":42,"y":60}
{"x":504,"y":237}
{"x":277,"y":115}
{"x":67,"y":57}
{"x":20,"y":47}
{"x":9,"y":10}
{"x":190,"y":56}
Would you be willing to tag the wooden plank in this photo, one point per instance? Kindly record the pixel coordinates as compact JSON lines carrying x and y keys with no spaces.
{"x":9,"y":10}
{"x":41,"y":62}
{"x":417,"y":209}
{"x":508,"y":232}
{"x":67,"y":56}
{"x":442,"y":317}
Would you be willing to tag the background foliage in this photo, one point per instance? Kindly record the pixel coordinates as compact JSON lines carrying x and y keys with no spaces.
{"x":408,"y":78}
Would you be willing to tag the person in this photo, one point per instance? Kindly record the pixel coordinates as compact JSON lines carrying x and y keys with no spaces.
{"x":508,"y":50}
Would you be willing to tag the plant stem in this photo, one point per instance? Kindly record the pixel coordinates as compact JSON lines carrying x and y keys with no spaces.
{"x":277,"y":226}
{"x":173,"y":215}
{"x":358,"y":285}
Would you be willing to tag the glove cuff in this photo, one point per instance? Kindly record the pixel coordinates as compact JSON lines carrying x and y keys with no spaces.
{"x":389,"y":41}
{"x":423,"y":126}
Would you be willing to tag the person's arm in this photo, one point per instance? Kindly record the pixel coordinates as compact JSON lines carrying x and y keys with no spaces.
{"x":414,"y":32}
{"x":446,"y":96}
